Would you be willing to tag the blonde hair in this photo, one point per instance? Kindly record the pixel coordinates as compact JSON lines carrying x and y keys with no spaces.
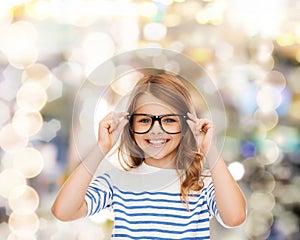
{"x":171,"y":90}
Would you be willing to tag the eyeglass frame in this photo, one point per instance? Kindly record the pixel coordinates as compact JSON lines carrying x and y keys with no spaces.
{"x":154,"y":118}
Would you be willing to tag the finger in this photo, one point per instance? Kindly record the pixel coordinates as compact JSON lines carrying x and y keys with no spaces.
{"x":120,"y":127}
{"x":117,"y":119}
{"x":108,"y":125}
{"x":204,"y":125}
{"x":192,"y":117}
{"x":199,"y":124}
{"x":194,"y":128}
{"x":108,"y":116}
{"x":191,"y":124}
{"x":207,"y":125}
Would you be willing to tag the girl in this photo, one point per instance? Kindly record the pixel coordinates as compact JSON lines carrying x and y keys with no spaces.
{"x":162,"y":192}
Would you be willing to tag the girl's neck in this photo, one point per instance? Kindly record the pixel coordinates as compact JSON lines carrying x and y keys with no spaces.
{"x":160,"y":163}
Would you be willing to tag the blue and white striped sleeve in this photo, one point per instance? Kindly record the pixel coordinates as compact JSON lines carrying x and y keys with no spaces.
{"x":99,"y":194}
{"x":211,"y":201}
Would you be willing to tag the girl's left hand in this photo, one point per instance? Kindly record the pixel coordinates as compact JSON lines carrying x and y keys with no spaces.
{"x":204,"y":132}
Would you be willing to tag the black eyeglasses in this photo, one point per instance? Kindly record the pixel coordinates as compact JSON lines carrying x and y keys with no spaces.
{"x":170,"y":123}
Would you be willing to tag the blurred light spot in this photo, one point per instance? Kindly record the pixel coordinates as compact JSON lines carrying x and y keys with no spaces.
{"x":147,"y":9}
{"x":293,"y":79}
{"x":49,"y":130}
{"x":264,"y":51}
{"x":245,"y":92}
{"x":6,"y":16}
{"x":97,"y":47}
{"x":201,"y":55}
{"x":177,"y":46}
{"x":282,"y":172}
{"x":268,"y":98}
{"x":298,"y":56}
{"x":69,"y":72}
{"x":224,"y":51}
{"x":9,"y":180}
{"x":230,"y":151}
{"x":275,"y":79}
{"x":101,"y":110}
{"x":165,"y":2}
{"x":212,"y":13}
{"x":4,"y":113}
{"x":258,"y":224}
{"x":159,"y":61}
{"x":40,"y":9}
{"x":27,"y":123}
{"x":122,"y":69}
{"x":129,"y":37}
{"x":23,"y":223}
{"x":19,"y":34}
{"x":50,"y":153}
{"x":24,"y":198}
{"x":88,"y":108}
{"x":270,"y":152}
{"x":104,"y":74}
{"x":286,"y":192}
{"x":54,"y":91}
{"x":262,"y":201}
{"x":287,"y":223}
{"x":286,"y":101}
{"x":172,"y":20}
{"x":266,"y":22}
{"x":248,"y":149}
{"x":162,"y":62}
{"x":266,"y":119}
{"x":125,"y":83}
{"x":151,"y":50}
{"x":286,"y":137}
{"x":31,"y":97}
{"x":10,"y":84}
{"x":29,"y":162}
{"x":286,"y":39}
{"x":154,"y":31}
{"x":237,"y":170}
{"x":18,"y":44}
{"x":37,"y":73}
{"x":6,"y":161}
{"x":22,"y":57}
{"x":172,"y":66}
{"x":11,"y":140}
{"x":262,"y":181}
{"x":295,"y":109}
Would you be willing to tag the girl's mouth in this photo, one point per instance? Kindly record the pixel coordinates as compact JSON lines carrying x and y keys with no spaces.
{"x":157,"y":142}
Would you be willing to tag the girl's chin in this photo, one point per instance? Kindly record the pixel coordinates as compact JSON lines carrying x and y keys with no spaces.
{"x":156,"y":156}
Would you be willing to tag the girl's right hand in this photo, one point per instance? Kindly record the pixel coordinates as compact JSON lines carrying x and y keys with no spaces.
{"x":109,"y":130}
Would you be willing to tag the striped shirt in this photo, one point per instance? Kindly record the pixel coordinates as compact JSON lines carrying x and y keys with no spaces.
{"x":146,"y":204}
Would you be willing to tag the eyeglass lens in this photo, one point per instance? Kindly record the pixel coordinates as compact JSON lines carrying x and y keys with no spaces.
{"x":142,"y":123}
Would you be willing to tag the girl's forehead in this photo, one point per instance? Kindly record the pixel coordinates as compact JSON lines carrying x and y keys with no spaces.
{"x":149,"y":103}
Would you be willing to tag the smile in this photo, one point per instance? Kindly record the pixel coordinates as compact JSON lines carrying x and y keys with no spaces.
{"x":157,"y":142}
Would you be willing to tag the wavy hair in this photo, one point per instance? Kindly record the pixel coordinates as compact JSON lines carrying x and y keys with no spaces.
{"x":171,"y":90}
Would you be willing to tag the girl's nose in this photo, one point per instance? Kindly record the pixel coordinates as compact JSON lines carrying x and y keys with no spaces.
{"x":156,"y":129}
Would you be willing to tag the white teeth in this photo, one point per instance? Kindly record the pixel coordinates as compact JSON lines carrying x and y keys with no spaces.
{"x":157,"y":141}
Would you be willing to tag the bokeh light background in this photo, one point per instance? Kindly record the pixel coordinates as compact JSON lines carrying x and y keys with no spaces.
{"x":49,"y":47}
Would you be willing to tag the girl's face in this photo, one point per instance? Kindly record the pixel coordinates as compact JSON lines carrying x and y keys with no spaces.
{"x":159,"y":147}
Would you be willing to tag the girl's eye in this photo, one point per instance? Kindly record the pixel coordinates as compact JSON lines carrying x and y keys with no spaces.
{"x":169,"y":120}
{"x":144,"y":120}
